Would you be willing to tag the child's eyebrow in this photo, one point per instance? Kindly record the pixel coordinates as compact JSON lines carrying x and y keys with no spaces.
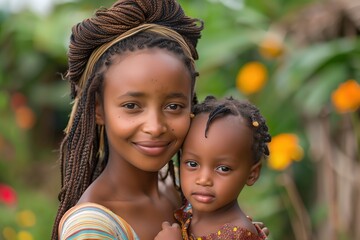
{"x":132,"y":94}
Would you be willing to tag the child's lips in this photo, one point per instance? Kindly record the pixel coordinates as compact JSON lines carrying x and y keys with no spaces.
{"x":203,"y":197}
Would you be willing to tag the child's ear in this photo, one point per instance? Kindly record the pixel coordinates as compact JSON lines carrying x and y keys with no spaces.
{"x":254,"y":173}
{"x":99,"y":111}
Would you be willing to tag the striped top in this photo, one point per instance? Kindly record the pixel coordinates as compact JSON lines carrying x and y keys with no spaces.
{"x":94,"y":221}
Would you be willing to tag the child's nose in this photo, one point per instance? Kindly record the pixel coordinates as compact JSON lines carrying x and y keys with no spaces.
{"x":204,"y":178}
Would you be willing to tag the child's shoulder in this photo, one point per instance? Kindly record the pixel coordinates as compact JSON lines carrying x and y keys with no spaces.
{"x":230,"y":231}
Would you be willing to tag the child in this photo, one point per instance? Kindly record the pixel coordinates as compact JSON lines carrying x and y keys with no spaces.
{"x":132,"y":75}
{"x":221,"y":154}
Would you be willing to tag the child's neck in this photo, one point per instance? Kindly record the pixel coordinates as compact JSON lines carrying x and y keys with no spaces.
{"x":204,"y":223}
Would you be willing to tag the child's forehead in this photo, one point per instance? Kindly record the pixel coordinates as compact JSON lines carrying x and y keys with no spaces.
{"x":224,"y":134}
{"x":237,"y":119}
{"x":224,"y":123}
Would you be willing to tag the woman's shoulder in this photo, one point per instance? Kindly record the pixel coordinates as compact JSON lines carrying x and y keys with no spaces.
{"x":93,"y":221}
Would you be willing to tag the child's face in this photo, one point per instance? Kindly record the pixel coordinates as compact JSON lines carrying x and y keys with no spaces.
{"x":214,"y":170}
{"x":145,"y":108}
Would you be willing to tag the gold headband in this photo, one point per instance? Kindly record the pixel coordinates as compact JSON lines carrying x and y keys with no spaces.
{"x":148,"y":27}
{"x":97,"y":53}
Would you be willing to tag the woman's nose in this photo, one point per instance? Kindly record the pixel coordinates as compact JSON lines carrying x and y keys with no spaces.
{"x":155,"y":124}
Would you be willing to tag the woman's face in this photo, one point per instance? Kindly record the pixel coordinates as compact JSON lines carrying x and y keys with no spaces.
{"x":145,"y":108}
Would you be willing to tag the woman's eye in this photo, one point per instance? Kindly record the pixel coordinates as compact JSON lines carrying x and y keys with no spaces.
{"x":191,"y":164}
{"x":173,"y":106}
{"x":223,"y":169}
{"x":130,"y":105}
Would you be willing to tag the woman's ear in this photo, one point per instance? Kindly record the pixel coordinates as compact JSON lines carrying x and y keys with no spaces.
{"x":99,"y":111}
{"x":254,"y":173}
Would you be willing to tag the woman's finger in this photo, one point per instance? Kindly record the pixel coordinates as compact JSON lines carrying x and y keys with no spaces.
{"x":165,"y":225}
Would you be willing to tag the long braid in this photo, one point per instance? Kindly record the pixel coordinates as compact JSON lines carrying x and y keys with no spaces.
{"x":255,"y":121}
{"x":79,"y":159}
{"x":77,"y":155}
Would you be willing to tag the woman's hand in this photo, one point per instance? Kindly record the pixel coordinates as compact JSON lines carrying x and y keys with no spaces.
{"x":168,"y":231}
{"x":263,"y":228}
{"x":261,"y":225}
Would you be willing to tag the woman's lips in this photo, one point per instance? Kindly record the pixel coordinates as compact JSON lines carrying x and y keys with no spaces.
{"x":152,"y":148}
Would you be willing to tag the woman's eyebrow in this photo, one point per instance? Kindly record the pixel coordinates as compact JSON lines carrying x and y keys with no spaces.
{"x":177,"y":95}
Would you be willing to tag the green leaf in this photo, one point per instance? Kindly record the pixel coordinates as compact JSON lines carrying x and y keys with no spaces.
{"x":315,"y":94}
{"x":305,"y":63}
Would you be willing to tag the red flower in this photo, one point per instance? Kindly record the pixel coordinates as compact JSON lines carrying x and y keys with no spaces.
{"x":7,"y":195}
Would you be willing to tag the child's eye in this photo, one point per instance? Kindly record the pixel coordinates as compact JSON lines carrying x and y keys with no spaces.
{"x":191,"y":164}
{"x":223,"y":169}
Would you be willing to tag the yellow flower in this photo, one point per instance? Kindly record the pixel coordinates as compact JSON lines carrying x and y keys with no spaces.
{"x":284,"y":148}
{"x":346,"y":98}
{"x":271,"y":46}
{"x":251,"y":78}
{"x":26,"y":218}
{"x":9,"y":233}
{"x":25,"y":235}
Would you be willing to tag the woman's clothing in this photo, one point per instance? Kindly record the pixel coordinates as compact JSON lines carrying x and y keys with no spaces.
{"x":94,"y":221}
{"x":226,"y":232}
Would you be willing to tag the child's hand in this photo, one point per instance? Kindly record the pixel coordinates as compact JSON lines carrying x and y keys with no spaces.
{"x":168,"y":231}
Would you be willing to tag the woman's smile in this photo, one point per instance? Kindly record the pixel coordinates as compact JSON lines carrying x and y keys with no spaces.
{"x":152,"y":148}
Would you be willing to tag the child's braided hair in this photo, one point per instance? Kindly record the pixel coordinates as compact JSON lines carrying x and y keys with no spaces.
{"x":249,"y":112}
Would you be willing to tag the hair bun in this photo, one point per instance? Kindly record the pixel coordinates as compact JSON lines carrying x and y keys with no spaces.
{"x":108,"y":23}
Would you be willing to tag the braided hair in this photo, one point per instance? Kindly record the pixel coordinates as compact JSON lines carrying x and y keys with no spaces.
{"x":246,"y":110}
{"x":79,"y":159}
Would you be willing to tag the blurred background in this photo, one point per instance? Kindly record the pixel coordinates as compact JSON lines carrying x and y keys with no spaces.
{"x":297,"y":60}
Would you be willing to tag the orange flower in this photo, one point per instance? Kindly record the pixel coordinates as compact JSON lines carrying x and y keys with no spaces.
{"x":346,"y":98}
{"x":271,"y":46}
{"x":25,"y":117}
{"x":284,"y":148}
{"x":251,"y":78}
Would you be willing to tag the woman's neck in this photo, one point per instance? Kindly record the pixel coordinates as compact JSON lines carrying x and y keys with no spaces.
{"x":128,"y":180}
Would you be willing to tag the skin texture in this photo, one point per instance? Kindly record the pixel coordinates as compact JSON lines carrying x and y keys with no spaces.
{"x":145,"y":109}
{"x":213,"y":171}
